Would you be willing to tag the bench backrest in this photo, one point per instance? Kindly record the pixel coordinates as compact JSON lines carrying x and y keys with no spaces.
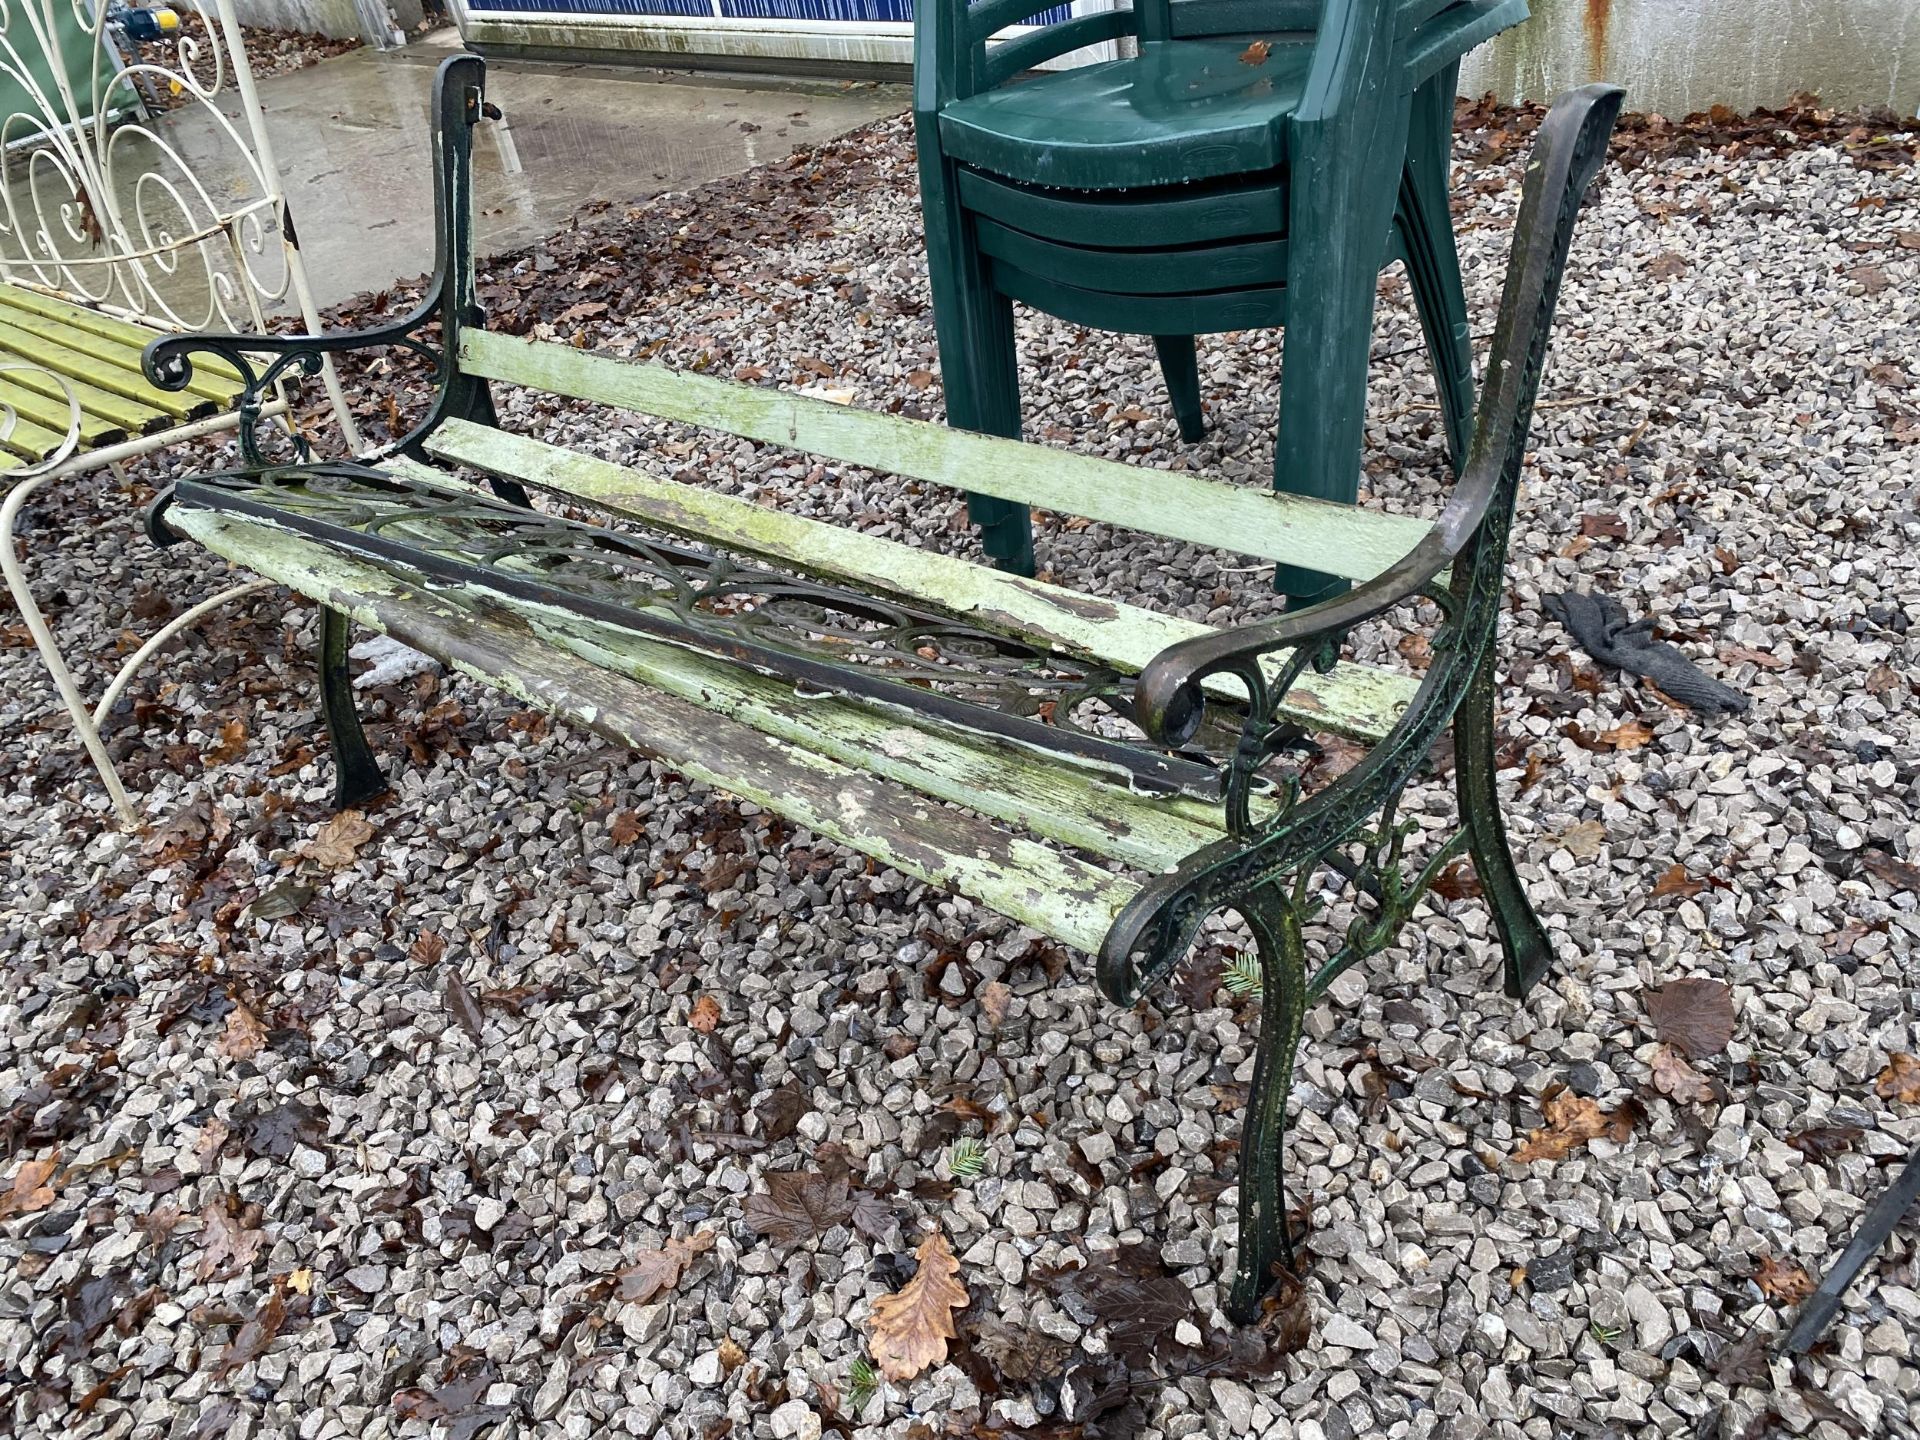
{"x":1357,"y":544}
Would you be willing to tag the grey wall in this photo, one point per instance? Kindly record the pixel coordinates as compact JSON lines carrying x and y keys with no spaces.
{"x":1678,"y":56}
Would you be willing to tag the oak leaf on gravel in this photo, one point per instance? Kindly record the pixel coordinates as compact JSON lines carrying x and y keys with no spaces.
{"x":244,"y":1037}
{"x":337,"y":845}
{"x":1779,"y":1280}
{"x":911,"y":1327}
{"x":1573,"y":1120}
{"x":1673,"y":1076}
{"x":654,"y":1272}
{"x":1900,"y":1080}
{"x":30,"y":1189}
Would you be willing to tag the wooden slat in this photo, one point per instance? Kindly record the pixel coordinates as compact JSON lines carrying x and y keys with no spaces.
{"x":1055,"y":892}
{"x":31,"y":441}
{"x":117,"y":353}
{"x":56,"y":414}
{"x":117,"y":378}
{"x":130,"y":415}
{"x":1350,"y":699}
{"x":108,"y":327}
{"x":1338,"y":539}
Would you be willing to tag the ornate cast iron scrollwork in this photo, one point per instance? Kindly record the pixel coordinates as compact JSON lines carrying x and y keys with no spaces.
{"x":448,"y":305}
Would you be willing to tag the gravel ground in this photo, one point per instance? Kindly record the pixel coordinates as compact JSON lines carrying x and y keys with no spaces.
{"x":375,"y":1165}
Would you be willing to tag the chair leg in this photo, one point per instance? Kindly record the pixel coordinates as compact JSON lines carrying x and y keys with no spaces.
{"x":356,"y":774}
{"x":974,"y":326}
{"x":56,"y":665}
{"x":1180,"y":363}
{"x":1433,"y":264}
{"x":1264,"y":1236}
{"x":1522,"y":937}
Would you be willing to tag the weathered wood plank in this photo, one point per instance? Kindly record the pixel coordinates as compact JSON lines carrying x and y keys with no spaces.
{"x":55,"y":415}
{"x":130,"y":415}
{"x":1351,"y":699}
{"x":1053,"y":891}
{"x":113,"y":352}
{"x":1056,"y":800}
{"x":1338,"y":539}
{"x":108,"y":327}
{"x":119,"y":379}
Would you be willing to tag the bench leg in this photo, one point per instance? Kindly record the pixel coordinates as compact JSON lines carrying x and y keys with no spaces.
{"x":356,"y":774}
{"x":1264,"y":1236}
{"x":1180,"y":363}
{"x":1528,"y":950}
{"x":1433,"y":264}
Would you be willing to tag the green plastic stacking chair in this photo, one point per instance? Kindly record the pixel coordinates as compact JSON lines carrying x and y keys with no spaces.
{"x":1253,"y":163}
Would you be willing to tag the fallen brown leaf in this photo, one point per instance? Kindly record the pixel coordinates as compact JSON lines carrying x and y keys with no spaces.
{"x":705,"y":1015}
{"x":429,"y":948}
{"x":460,"y":1005}
{"x":655,"y":1271}
{"x":1823,"y":1142}
{"x":1582,"y":841}
{"x":1676,"y":881}
{"x":228,"y":1245}
{"x":231,"y":744}
{"x":994,"y":1000}
{"x":31,"y":1188}
{"x":1891,"y":868}
{"x":1256,"y":53}
{"x":1766,"y":660}
{"x":1573,"y":1120}
{"x":1693,"y":1015}
{"x":1781,"y":1280}
{"x":338,"y":843}
{"x":1629,"y":736}
{"x":911,"y":1327}
{"x":624,"y":828}
{"x":254,"y":1337}
{"x":1900,"y":1080}
{"x":799,"y":1206}
{"x":1673,"y":1076}
{"x":732,"y":1357}
{"x":244,"y":1036}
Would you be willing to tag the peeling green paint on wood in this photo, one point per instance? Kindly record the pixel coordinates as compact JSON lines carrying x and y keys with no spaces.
{"x":1055,"y":892}
{"x":1337,"y":539}
{"x":1351,"y":699}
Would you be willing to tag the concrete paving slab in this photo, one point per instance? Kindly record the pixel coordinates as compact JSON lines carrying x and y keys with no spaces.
{"x":352,"y":139}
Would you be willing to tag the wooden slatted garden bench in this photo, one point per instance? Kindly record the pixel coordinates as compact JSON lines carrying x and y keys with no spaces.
{"x":1105,"y":774}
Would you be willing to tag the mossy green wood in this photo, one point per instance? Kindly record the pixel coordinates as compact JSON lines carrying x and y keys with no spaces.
{"x":1350,"y":699}
{"x":1055,"y":892}
{"x":115,"y":379}
{"x":116,"y":352}
{"x":94,"y":322}
{"x":1251,"y":165}
{"x":1358,"y":544}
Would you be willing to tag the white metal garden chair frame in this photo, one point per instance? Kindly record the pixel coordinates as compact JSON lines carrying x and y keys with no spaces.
{"x":114,"y":218}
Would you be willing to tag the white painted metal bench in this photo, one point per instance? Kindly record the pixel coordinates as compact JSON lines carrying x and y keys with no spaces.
{"x":1108,"y":775}
{"x":110,"y":237}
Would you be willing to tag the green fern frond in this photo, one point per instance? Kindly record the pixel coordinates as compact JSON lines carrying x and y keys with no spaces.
{"x":967,"y":1159}
{"x":1242,"y":976}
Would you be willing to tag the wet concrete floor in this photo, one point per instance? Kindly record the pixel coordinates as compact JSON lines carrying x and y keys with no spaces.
{"x":352,"y":140}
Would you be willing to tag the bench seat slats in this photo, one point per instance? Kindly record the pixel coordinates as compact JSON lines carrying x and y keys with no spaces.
{"x":117,"y":352}
{"x":1055,"y":892}
{"x":1339,"y":539}
{"x":108,"y":327}
{"x":118,"y":379}
{"x":1351,"y":699}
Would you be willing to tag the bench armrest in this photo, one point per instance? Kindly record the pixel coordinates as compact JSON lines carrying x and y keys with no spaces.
{"x":459,"y":103}
{"x":1572,"y":141}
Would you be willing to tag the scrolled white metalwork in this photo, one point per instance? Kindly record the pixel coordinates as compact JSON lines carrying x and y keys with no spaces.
{"x":98,"y":201}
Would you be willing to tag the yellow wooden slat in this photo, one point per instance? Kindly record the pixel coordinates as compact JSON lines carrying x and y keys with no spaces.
{"x":108,"y":327}
{"x":130,"y":415}
{"x":49,"y":355}
{"x":56,"y":414}
{"x":118,"y":353}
